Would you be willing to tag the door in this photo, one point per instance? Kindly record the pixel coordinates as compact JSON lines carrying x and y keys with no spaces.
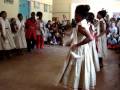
{"x":24,"y":8}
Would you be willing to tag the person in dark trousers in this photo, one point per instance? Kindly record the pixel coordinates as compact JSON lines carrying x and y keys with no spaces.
{"x":30,"y":31}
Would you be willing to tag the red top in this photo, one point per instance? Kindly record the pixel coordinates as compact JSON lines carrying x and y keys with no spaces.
{"x":31,"y":27}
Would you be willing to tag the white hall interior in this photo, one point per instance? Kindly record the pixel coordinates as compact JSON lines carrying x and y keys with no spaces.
{"x":112,"y":6}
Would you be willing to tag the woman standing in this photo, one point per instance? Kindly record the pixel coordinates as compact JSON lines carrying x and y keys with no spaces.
{"x":0,"y":37}
{"x":90,"y":20}
{"x":6,"y":33}
{"x":79,"y":71}
{"x":101,"y":36}
{"x":30,"y":31}
{"x":1,"y":48}
{"x":20,"y":39}
{"x":7,"y":40}
{"x":40,"y":31}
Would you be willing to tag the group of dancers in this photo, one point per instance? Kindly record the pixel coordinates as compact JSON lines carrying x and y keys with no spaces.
{"x":87,"y":50}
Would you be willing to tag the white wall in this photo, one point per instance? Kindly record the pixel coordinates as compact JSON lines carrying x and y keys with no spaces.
{"x":46,"y":15}
{"x":96,"y":5}
{"x":12,"y":9}
{"x":61,"y":7}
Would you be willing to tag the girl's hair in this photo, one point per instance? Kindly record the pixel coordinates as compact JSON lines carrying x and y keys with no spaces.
{"x":103,"y":13}
{"x":39,"y":14}
{"x":32,"y":13}
{"x":12,"y":19}
{"x":19,"y":14}
{"x":2,"y":12}
{"x":82,"y":10}
{"x":90,"y":17}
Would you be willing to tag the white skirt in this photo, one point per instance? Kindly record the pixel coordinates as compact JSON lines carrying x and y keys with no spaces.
{"x":79,"y":72}
{"x":1,"y":48}
{"x":94,"y":55}
{"x":8,"y":44}
{"x":102,"y":46}
{"x":20,"y":40}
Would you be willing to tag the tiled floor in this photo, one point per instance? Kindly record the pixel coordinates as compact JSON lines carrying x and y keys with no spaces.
{"x":39,"y":70}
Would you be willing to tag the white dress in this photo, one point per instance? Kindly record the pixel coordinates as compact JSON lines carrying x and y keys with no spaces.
{"x":78,"y":72}
{"x":102,"y":41}
{"x":8,"y":43}
{"x":20,"y":40}
{"x":94,"y":50}
{"x":1,"y":48}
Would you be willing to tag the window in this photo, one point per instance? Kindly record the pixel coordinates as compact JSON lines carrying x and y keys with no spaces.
{"x":9,"y":1}
{"x":36,"y":5}
{"x":46,"y":8}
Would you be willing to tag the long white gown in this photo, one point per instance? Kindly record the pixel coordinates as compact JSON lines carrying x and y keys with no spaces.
{"x":1,"y":48}
{"x":102,"y":41}
{"x":78,"y":72}
{"x":20,"y":40}
{"x":94,"y":50}
{"x":8,"y":43}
